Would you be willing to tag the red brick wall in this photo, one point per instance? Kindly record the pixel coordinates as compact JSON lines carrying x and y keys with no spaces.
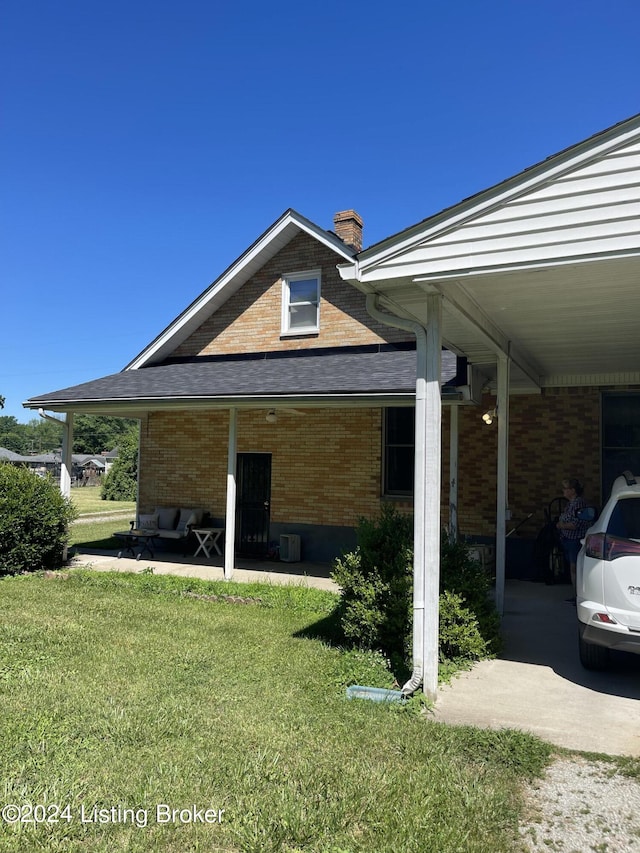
{"x":250,"y":321}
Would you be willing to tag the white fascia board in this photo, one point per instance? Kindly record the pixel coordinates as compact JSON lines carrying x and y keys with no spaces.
{"x":533,"y":177}
{"x":300,"y":401}
{"x":232,"y":279}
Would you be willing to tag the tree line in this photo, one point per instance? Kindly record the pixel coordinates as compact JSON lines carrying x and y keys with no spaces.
{"x":92,"y":434}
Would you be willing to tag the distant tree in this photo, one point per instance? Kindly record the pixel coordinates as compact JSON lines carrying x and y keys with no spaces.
{"x":14,"y":441}
{"x":93,"y":433}
{"x":42,"y":435}
{"x":11,"y":435}
{"x":121,"y":482}
{"x":1,"y":402}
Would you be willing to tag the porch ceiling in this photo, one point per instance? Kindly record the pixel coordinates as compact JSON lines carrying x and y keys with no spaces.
{"x":567,"y":324}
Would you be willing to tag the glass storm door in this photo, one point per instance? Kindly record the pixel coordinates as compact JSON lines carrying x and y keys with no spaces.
{"x":253,"y":477}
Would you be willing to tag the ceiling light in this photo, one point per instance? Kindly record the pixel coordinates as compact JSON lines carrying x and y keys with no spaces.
{"x":271,"y":416}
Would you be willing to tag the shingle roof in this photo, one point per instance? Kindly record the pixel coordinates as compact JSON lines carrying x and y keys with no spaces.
{"x":356,"y":371}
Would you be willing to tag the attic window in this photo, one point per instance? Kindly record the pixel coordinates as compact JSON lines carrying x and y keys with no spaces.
{"x":301,"y":303}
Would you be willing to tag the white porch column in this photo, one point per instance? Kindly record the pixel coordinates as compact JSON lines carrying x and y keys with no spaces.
{"x":453,"y":473}
{"x":66,"y":463}
{"x":432,"y":474}
{"x":230,"y":523}
{"x":504,"y":365}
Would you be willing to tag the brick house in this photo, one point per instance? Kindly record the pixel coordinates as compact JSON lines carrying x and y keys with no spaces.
{"x":294,"y":378}
{"x":279,"y":360}
{"x":538,"y":282}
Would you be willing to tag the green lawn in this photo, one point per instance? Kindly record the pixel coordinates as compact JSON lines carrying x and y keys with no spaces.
{"x":98,"y":533}
{"x":87,"y":501}
{"x":129,"y":691}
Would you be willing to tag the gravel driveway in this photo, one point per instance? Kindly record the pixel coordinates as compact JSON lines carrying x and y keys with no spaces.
{"x":582,"y":806}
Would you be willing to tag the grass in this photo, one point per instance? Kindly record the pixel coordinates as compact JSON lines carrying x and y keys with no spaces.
{"x":98,"y":534}
{"x":133,"y":690}
{"x":87,"y":501}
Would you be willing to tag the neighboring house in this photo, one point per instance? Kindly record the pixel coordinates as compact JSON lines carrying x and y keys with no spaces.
{"x":86,"y":469}
{"x":9,"y":455}
{"x":279,"y":360}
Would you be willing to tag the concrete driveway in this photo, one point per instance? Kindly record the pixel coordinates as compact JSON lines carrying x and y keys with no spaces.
{"x":538,"y":684}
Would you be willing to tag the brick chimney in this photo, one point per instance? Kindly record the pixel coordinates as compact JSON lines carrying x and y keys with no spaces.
{"x":348,"y":227}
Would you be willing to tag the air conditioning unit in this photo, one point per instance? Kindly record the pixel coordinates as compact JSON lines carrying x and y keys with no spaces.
{"x":289,"y":547}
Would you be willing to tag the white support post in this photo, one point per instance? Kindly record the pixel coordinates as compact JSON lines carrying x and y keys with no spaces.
{"x":66,"y":463}
{"x":502,"y":502}
{"x":453,"y":473}
{"x":230,"y":524}
{"x":432,"y":473}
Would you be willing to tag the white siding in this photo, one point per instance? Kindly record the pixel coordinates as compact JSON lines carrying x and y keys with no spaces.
{"x":594,"y":208}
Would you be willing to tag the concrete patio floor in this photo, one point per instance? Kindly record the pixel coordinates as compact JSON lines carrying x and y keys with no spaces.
{"x":247,"y":570}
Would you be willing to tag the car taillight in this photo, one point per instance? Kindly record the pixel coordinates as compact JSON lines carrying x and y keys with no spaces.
{"x":594,"y":546}
{"x":621,"y":548}
{"x":600,"y":546}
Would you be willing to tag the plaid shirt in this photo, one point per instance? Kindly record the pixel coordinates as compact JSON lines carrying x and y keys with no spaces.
{"x":570,"y":515}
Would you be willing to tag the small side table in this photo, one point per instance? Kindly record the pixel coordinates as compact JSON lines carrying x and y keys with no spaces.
{"x":207,"y":539}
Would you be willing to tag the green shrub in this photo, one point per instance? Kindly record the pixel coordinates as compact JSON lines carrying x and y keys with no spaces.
{"x":376,"y":581}
{"x":34,"y":521}
{"x":376,"y":599}
{"x":121,"y":483}
{"x":459,"y":633}
{"x":461,"y":574}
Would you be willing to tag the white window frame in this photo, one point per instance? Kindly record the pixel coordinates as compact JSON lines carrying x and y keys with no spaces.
{"x":286,"y":330}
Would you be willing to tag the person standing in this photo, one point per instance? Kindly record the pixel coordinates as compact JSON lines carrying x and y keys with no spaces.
{"x":572,"y":528}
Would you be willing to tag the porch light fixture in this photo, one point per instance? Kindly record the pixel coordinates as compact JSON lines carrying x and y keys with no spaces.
{"x":271,"y":416}
{"x":490,"y":416}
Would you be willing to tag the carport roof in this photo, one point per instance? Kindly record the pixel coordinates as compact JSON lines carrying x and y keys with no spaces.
{"x":316,"y":376}
{"x":542,"y":268}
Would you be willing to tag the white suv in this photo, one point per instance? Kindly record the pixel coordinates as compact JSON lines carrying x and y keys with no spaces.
{"x":608,"y":578}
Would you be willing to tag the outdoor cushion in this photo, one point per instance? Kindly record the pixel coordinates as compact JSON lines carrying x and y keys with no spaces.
{"x":148,"y":521}
{"x":167,"y":517}
{"x":189,"y":518}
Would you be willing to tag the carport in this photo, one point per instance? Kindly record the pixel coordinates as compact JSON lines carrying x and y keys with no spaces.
{"x":535,"y":281}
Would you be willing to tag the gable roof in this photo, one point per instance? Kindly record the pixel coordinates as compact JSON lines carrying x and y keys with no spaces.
{"x":278,"y":235}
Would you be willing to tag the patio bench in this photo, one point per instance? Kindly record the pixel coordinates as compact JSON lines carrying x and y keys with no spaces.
{"x":170,"y":524}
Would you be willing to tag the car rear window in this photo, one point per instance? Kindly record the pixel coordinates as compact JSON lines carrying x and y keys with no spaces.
{"x":625,"y":519}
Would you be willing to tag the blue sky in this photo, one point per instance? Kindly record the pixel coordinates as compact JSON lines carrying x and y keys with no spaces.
{"x":145,"y":145}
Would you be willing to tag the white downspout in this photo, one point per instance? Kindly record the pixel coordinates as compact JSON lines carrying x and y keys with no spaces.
{"x":502,"y":501}
{"x":453,"y":473}
{"x":66,"y":465}
{"x":420,"y":628}
{"x":230,"y":523}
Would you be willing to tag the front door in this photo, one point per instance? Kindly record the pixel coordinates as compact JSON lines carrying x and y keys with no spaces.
{"x":253,"y":477}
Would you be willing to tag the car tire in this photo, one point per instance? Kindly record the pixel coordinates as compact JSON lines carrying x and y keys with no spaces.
{"x":593,"y":657}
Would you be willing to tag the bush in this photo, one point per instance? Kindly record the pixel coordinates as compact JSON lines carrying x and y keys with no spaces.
{"x":34,"y":521}
{"x":376,"y":600}
{"x":121,"y":483}
{"x":464,"y":576}
{"x":376,"y":581}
